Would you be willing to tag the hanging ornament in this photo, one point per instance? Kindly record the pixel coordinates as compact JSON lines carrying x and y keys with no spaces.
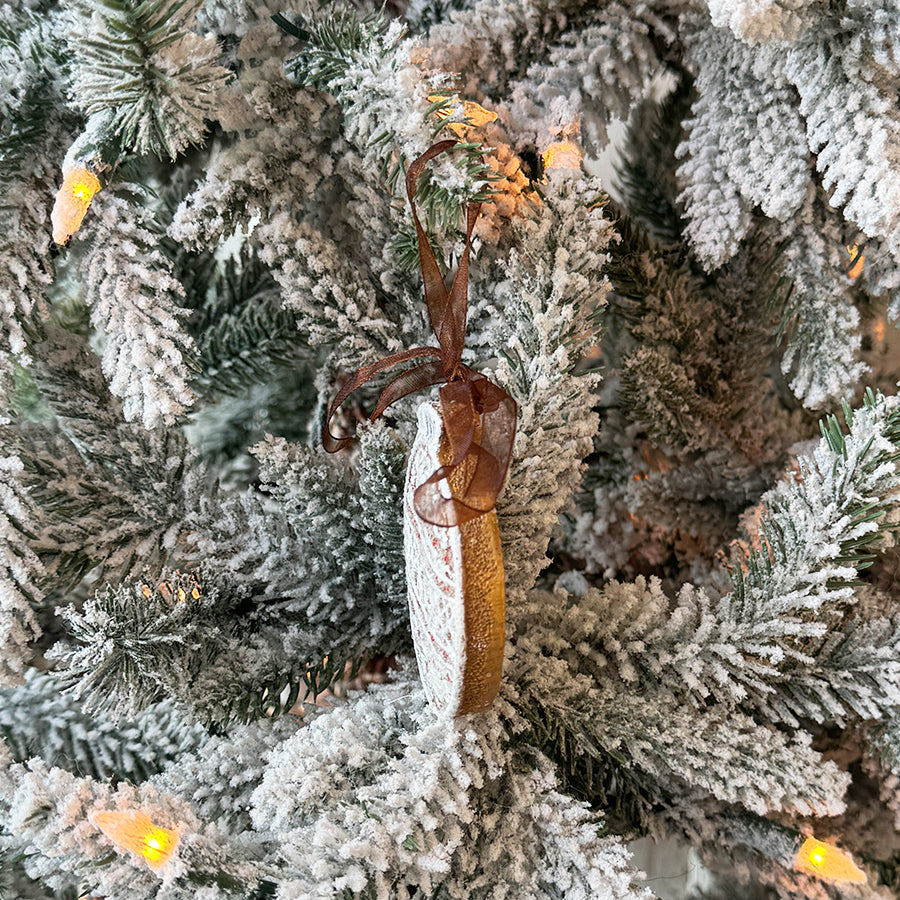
{"x":457,"y":467}
{"x":138,"y":833}
{"x":827,"y":862}
{"x":454,"y":579}
{"x":72,"y":202}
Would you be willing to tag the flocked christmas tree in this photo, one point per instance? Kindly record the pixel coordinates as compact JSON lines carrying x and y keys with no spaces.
{"x":234,"y":665}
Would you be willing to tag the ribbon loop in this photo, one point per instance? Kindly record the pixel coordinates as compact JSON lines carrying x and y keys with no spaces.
{"x":479,"y":417}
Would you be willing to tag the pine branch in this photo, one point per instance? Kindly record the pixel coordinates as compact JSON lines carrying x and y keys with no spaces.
{"x":255,"y":173}
{"x":223,"y":431}
{"x":602,"y":67}
{"x":51,"y":817}
{"x":831,"y":512}
{"x":244,"y":333}
{"x":138,"y":60}
{"x":781,"y":642}
{"x":333,"y":42}
{"x":37,"y":719}
{"x":543,"y":317}
{"x":744,"y":143}
{"x":365,"y":64}
{"x":237,"y":758}
{"x":393,"y":771}
{"x":20,"y":571}
{"x":350,"y":574}
{"x":501,"y":40}
{"x":420,"y":15}
{"x":201,"y":640}
{"x":646,"y":173}
{"x":258,"y":637}
{"x":334,"y":306}
{"x":819,"y":320}
{"x":31,"y":57}
{"x":698,"y":363}
{"x":834,"y":134}
{"x":714,"y":749}
{"x":135,"y":302}
{"x":106,"y":494}
{"x":33,"y":126}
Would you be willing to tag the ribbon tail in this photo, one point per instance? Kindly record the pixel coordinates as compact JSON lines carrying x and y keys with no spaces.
{"x":446,"y":309}
{"x":422,"y":376}
{"x":363,"y":374}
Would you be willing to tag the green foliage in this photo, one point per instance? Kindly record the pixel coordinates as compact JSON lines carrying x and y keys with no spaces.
{"x":108,"y":494}
{"x":701,"y":346}
{"x":202,"y":640}
{"x":598,"y":776}
{"x":141,"y":63}
{"x":405,"y":247}
{"x":235,"y":645}
{"x":333,"y":43}
{"x":244,"y":334}
{"x":355,"y":59}
{"x":666,"y":739}
{"x":646,"y":173}
{"x":352,"y":573}
{"x":27,"y":114}
{"x":857,"y":475}
{"x":37,"y":719}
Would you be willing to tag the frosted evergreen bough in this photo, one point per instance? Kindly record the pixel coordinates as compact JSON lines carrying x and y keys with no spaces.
{"x":790,"y":89}
{"x":142,"y":61}
{"x":20,"y":573}
{"x":37,"y":719}
{"x":30,"y":57}
{"x":739,"y":151}
{"x":365,"y":63}
{"x":767,"y":641}
{"x":823,"y":324}
{"x":134,"y":300}
{"x":602,"y":70}
{"x":396,"y":773}
{"x":52,"y":815}
{"x":107,"y":495}
{"x":550,"y":316}
{"x":204,"y":616}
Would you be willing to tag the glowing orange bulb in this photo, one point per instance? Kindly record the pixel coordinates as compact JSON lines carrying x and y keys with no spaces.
{"x":138,"y":833}
{"x":158,"y":845}
{"x":474,"y":114}
{"x":857,"y":260}
{"x":562,"y":155}
{"x":827,"y":862}
{"x":72,"y":202}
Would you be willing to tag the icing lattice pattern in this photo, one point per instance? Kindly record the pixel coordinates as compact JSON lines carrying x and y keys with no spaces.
{"x":434,"y":577}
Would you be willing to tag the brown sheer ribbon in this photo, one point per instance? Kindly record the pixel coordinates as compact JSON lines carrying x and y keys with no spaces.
{"x":479,"y":417}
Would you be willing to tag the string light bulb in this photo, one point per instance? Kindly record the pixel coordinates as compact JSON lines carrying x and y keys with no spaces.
{"x":857,"y":260}
{"x":138,"y":833}
{"x":827,"y":862}
{"x":474,"y":115}
{"x":562,"y":155}
{"x":564,"y":152}
{"x":72,"y":202}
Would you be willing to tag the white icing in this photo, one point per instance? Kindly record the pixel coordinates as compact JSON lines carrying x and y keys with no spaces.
{"x":434,"y":577}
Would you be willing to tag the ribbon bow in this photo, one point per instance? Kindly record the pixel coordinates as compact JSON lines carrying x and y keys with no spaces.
{"x":479,"y":417}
